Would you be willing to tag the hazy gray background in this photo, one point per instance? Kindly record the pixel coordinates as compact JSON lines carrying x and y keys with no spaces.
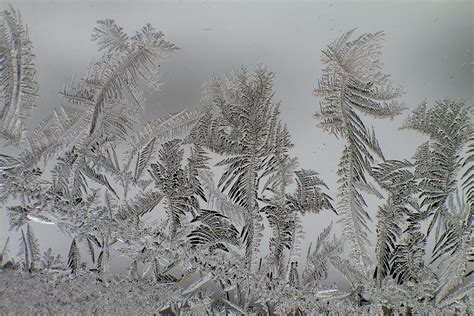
{"x":428,"y":50}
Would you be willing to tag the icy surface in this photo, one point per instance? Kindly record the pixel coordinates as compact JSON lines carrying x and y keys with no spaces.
{"x":186,"y":198}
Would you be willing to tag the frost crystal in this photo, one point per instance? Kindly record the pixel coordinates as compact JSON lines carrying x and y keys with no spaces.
{"x":186,"y":198}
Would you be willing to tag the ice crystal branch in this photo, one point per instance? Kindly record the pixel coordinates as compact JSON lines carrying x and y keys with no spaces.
{"x":18,"y":86}
{"x":352,"y":83}
{"x":448,"y":125}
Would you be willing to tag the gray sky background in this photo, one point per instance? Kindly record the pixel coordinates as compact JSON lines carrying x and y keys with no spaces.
{"x":428,"y":51}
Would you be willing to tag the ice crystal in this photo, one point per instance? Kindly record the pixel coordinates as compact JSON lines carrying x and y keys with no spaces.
{"x":192,"y":229}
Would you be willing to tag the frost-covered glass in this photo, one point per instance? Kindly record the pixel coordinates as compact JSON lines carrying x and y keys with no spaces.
{"x":206,"y":206}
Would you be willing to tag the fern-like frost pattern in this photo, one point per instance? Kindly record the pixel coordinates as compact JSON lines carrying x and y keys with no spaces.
{"x":188,"y":199}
